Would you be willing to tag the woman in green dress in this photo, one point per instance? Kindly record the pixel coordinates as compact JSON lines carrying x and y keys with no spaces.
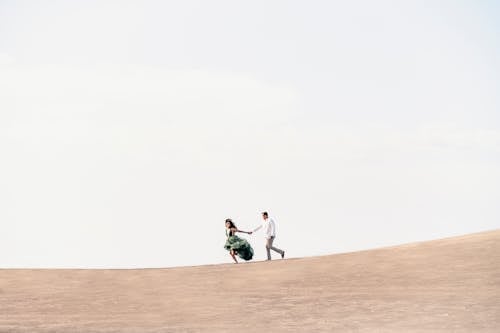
{"x":236,"y":245}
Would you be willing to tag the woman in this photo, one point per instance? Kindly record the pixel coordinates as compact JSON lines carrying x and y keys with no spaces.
{"x":235,"y":245}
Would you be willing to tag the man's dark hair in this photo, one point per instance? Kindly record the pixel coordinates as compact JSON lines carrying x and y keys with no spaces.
{"x":265,"y":214}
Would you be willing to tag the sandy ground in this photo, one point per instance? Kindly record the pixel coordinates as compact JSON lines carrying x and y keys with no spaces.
{"x":445,"y":285}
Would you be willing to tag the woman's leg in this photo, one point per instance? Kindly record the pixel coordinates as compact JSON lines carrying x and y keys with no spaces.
{"x":232,"y":253}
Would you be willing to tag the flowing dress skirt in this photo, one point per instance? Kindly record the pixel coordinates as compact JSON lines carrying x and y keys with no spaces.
{"x":241,"y":246}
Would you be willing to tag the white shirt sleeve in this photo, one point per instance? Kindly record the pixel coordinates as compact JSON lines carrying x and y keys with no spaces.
{"x":260,"y":226}
{"x":273,"y":228}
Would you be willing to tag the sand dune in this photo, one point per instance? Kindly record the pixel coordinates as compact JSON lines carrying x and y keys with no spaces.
{"x":444,"y":285}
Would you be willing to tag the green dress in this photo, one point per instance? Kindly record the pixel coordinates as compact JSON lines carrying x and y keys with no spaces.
{"x":242,"y":248}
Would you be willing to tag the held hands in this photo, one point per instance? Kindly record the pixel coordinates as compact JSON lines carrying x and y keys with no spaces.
{"x":250,"y":232}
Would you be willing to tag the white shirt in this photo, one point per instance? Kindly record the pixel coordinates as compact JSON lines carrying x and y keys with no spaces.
{"x":269,"y":228}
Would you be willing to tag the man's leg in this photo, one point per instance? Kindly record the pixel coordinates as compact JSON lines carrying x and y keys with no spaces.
{"x":269,"y":246}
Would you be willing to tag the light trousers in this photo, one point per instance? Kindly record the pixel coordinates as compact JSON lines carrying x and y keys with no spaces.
{"x":269,"y":247}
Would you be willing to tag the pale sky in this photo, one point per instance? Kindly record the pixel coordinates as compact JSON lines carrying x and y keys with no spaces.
{"x":130,"y":130}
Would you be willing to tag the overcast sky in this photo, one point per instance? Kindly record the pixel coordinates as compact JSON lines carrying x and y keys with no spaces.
{"x":130,"y":130}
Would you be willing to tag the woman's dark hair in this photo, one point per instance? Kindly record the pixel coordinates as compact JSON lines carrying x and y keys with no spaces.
{"x":232,"y":225}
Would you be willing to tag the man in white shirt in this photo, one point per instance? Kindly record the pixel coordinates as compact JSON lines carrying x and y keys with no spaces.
{"x":269,"y":227}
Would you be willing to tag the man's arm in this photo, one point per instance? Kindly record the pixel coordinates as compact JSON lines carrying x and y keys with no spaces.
{"x":273,"y":227}
{"x":260,"y":226}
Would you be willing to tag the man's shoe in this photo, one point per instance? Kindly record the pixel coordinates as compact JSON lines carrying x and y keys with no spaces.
{"x":283,"y":255}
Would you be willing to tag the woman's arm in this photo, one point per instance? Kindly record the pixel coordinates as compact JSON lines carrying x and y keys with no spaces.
{"x":245,"y":232}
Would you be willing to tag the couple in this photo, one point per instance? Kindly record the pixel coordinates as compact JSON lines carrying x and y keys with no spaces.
{"x":239,"y":246}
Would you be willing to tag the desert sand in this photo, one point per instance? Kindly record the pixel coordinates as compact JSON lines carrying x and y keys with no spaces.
{"x":448,"y":285}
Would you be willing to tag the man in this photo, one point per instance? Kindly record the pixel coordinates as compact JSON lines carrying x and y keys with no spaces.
{"x":269,"y":227}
